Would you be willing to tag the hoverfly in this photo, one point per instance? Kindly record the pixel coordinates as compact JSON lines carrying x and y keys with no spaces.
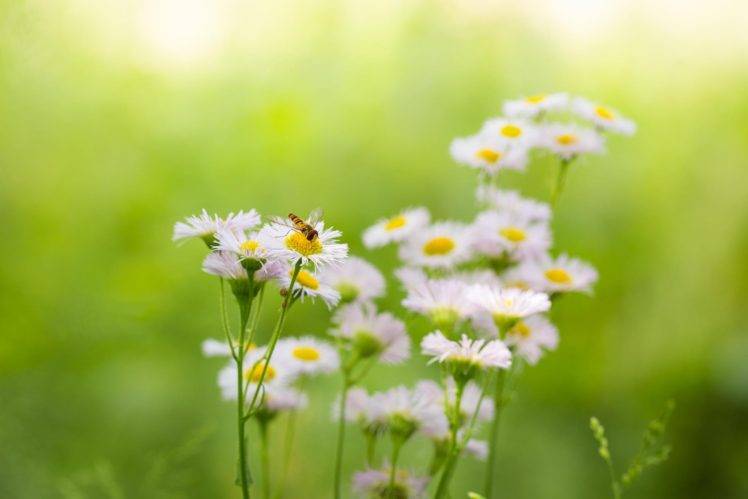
{"x":304,"y":227}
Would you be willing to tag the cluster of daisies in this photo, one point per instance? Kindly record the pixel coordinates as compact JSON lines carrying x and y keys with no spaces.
{"x":558,"y":123}
{"x":483,"y":287}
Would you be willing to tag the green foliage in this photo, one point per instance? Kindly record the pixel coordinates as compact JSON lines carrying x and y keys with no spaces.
{"x":651,"y":453}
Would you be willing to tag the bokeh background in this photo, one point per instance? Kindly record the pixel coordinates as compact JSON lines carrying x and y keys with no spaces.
{"x":119,"y":117}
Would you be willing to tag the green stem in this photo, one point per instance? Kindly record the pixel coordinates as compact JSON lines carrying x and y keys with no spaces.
{"x":245,"y":308}
{"x":498,"y":405}
{"x":225,"y":320}
{"x":560,"y":181}
{"x":396,"y":446}
{"x":454,"y":448}
{"x":288,"y":445}
{"x":265,"y":458}
{"x":341,"y":435}
{"x":276,"y":335}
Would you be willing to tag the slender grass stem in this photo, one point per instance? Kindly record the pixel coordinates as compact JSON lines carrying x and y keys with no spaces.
{"x":225,"y":319}
{"x":455,"y":447}
{"x":341,"y":435}
{"x":493,"y":441}
{"x":265,"y":458}
{"x":288,"y":445}
{"x":558,"y":188}
{"x":396,"y":446}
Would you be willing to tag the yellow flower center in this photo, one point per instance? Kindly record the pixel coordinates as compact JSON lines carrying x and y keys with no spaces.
{"x":535,"y":99}
{"x":307,"y":280}
{"x":566,"y":139}
{"x":298,"y":242}
{"x":250,"y":245}
{"x":604,"y":113}
{"x":559,"y":276}
{"x":514,"y":234}
{"x":439,"y":246}
{"x":489,"y":155}
{"x":395,"y":223}
{"x":517,"y":284}
{"x":511,"y":131}
{"x":255,"y":373}
{"x":307,"y":354}
{"x":520,"y":329}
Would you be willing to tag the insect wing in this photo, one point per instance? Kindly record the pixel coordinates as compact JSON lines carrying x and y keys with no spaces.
{"x":315,"y":217}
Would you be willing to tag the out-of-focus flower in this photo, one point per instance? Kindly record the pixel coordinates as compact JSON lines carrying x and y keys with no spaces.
{"x":516,"y":132}
{"x":466,"y":353}
{"x":603,"y":117}
{"x":488,"y":153}
{"x":375,"y":483}
{"x":370,"y":334}
{"x":396,"y":228}
{"x":355,"y":279}
{"x":506,"y":305}
{"x":535,"y":105}
{"x":441,"y":300}
{"x":568,"y":141}
{"x":307,"y":355}
{"x":442,"y":245}
{"x":557,"y":275}
{"x":512,"y":202}
{"x":224,"y":264}
{"x":309,"y":284}
{"x":531,"y":337}
{"x":495,"y":234}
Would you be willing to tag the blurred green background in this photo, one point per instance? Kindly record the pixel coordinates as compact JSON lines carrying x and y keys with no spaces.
{"x":119,"y":117}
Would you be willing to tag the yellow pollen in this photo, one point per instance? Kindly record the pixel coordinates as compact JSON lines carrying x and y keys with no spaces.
{"x":489,"y":155}
{"x":255,"y":373}
{"x":395,"y":223}
{"x":535,"y":99}
{"x":307,"y":280}
{"x":514,"y":234}
{"x":604,"y":113}
{"x":298,"y":242}
{"x":307,"y":354}
{"x":566,"y":139}
{"x":521,"y":329}
{"x":439,"y":246}
{"x":250,"y":245}
{"x":559,"y":276}
{"x":511,"y":131}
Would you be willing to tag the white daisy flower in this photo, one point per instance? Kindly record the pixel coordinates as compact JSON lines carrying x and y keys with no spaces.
{"x":603,"y":117}
{"x":506,"y":305}
{"x":358,"y":407}
{"x":488,"y":153}
{"x":285,"y":243}
{"x":246,"y":246}
{"x":512,"y":202}
{"x":557,"y":275}
{"x":516,"y":132}
{"x":307,"y":355}
{"x":278,"y":375}
{"x":471,"y":395}
{"x":568,"y":141}
{"x":477,"y":448}
{"x":480,"y":353}
{"x":204,"y":226}
{"x":404,"y":411}
{"x":224,"y":264}
{"x":371,"y":333}
{"x":309,"y":284}
{"x":441,"y":300}
{"x":531,"y":337}
{"x":396,"y":228}
{"x":410,"y":276}
{"x":271,"y":270}
{"x":442,"y":245}
{"x":375,"y":483}
{"x":215,"y":348}
{"x":283,"y":399}
{"x":535,"y":105}
{"x":496,"y":234}
{"x":355,"y":279}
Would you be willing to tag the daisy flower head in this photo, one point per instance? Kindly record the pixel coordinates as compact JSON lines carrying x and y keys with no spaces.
{"x":308,"y":284}
{"x":562,"y":274}
{"x":371,"y":334}
{"x":512,"y":202}
{"x":604,"y":118}
{"x":507,"y":305}
{"x":515,"y":132}
{"x":283,"y":399}
{"x":204,"y":226}
{"x":271,"y":270}
{"x":358,"y":407}
{"x":441,"y":300}
{"x":568,"y":141}
{"x":496,"y":234}
{"x":531,"y":337}
{"x":277,"y":375}
{"x":307,"y":355}
{"x":442,"y":245}
{"x":375,"y":483}
{"x":215,"y":348}
{"x":246,"y":246}
{"x":404,"y":411}
{"x":355,"y":279}
{"x":477,"y":448}
{"x":283,"y":242}
{"x":224,"y":264}
{"x":533,"y":106}
{"x":488,"y":153}
{"x":471,"y":396}
{"x":396,"y":228}
{"x":466,"y":357}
